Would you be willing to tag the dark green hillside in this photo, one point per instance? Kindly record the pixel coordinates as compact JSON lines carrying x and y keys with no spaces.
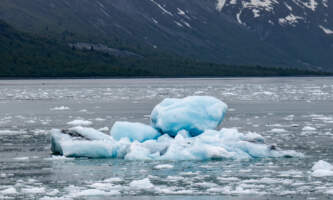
{"x":25,"y":55}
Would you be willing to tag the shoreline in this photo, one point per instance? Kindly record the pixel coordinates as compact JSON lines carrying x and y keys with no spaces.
{"x":159,"y":77}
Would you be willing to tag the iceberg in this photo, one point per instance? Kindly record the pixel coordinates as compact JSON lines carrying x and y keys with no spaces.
{"x":194,"y":114}
{"x":133,"y":131}
{"x":181,"y":129}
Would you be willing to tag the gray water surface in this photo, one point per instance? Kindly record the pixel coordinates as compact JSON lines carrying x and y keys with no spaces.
{"x":277,"y":108}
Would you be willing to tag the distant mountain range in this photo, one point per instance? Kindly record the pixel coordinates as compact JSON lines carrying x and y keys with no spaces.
{"x":284,"y":33}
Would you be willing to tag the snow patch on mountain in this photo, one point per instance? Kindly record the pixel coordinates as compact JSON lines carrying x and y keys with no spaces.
{"x":238,"y":16}
{"x":220,"y":4}
{"x":291,"y":19}
{"x":180,"y":12}
{"x":162,"y":8}
{"x":288,"y":6}
{"x":326,"y":30}
{"x":256,"y":13}
{"x":311,"y":4}
{"x":267,"y":5}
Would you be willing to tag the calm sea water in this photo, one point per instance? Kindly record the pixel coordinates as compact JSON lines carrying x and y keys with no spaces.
{"x":277,"y":108}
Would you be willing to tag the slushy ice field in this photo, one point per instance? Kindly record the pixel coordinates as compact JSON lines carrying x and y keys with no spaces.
{"x":292,"y":113}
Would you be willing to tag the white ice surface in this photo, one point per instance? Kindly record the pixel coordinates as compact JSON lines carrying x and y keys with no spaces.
{"x":141,"y":184}
{"x":212,"y":144}
{"x":133,"y":131}
{"x":80,"y":122}
{"x":322,"y":169}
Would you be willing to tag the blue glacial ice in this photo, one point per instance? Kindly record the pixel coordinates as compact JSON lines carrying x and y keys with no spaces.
{"x":134,"y":131}
{"x":194,"y":114}
{"x":194,"y":138}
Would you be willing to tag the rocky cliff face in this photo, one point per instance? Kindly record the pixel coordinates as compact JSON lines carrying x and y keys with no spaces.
{"x":291,"y":33}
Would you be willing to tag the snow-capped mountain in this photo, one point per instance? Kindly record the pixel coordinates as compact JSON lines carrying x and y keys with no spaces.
{"x":286,"y":13}
{"x":294,"y":33}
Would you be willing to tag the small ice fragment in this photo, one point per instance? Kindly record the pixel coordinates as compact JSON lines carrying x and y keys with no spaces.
{"x":278,"y":130}
{"x":322,"y":169}
{"x":60,"y":108}
{"x":58,"y":158}
{"x":289,"y":117}
{"x":79,"y":122}
{"x":33,"y":190}
{"x":199,"y":92}
{"x":163,"y":166}
{"x":142,"y":184}
{"x":96,"y":192}
{"x":21,"y":158}
{"x":194,"y":114}
{"x":11,"y":132}
{"x":104,"y":129}
{"x":10,"y":190}
{"x":133,"y":131}
{"x":309,"y":128}
{"x":113,"y":179}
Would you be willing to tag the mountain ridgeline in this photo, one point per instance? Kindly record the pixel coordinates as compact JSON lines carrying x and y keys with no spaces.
{"x":165,"y":38}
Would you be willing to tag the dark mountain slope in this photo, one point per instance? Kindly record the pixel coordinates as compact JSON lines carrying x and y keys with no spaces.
{"x":230,"y":34}
{"x":24,"y":55}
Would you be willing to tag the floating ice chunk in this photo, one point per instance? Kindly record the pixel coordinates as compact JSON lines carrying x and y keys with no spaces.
{"x":11,"y":132}
{"x":143,"y":184}
{"x":163,"y":166}
{"x":33,"y":190}
{"x":133,"y":131}
{"x":278,"y":130}
{"x":60,"y":108}
{"x":309,"y":128}
{"x":100,"y":119}
{"x":194,"y":114}
{"x":104,"y":129}
{"x":113,"y":179}
{"x":21,"y":158}
{"x":322,"y":169}
{"x":79,"y":122}
{"x":95,"y":192}
{"x":58,"y":158}
{"x":10,"y":190}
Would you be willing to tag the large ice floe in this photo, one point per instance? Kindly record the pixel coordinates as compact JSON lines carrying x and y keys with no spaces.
{"x":322,"y":169}
{"x":181,"y":129}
